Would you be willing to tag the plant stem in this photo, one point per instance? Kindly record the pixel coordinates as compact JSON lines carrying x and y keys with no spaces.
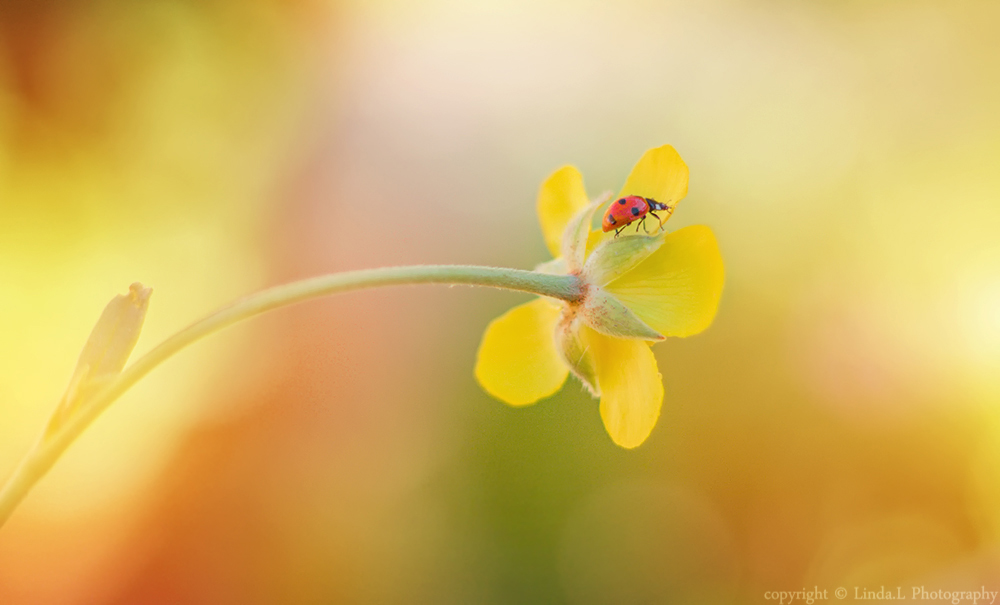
{"x":49,"y":448}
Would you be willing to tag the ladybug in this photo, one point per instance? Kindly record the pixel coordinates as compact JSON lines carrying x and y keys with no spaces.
{"x":631,"y":208}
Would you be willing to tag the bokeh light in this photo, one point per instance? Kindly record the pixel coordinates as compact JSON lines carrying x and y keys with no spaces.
{"x":838,"y":425}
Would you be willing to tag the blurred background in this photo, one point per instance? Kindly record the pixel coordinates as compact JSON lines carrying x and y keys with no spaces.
{"x":839,"y":424}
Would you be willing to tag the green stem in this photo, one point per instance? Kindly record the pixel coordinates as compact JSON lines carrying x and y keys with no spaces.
{"x":50,"y":447}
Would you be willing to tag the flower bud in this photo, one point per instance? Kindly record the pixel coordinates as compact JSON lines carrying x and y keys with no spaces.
{"x":113,"y":338}
{"x":107,"y":349}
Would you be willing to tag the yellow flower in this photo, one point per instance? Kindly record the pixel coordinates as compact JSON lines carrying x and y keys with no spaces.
{"x":637,"y":289}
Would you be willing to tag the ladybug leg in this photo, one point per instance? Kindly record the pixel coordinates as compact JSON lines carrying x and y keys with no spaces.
{"x":644,"y":220}
{"x":657,"y":217}
{"x":617,"y":231}
{"x":670,"y":212}
{"x":640,"y":224}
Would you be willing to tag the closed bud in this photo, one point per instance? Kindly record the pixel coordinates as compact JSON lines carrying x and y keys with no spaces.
{"x":107,"y":349}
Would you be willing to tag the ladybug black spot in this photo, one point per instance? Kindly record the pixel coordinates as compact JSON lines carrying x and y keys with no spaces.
{"x":611,"y":220}
{"x":622,"y":201}
{"x":635,"y":211}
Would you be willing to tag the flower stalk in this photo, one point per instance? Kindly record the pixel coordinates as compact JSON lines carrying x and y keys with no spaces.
{"x":60,"y":435}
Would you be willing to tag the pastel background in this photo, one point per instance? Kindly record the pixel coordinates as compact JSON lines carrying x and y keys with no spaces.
{"x":838,"y":425}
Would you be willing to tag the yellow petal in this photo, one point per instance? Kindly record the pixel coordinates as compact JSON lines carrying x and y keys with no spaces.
{"x":660,"y":174}
{"x":560,"y":197}
{"x":676,"y":290}
{"x":518,"y":362}
{"x":631,"y":386}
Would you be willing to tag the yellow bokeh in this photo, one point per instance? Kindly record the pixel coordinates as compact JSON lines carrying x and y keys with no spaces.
{"x":837,"y":424}
{"x":160,"y":174}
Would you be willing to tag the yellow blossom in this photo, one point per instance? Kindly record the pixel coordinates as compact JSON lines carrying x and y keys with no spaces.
{"x":638,"y":289}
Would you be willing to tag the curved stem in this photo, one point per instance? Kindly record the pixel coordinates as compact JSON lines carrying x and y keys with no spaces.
{"x":50,"y":447}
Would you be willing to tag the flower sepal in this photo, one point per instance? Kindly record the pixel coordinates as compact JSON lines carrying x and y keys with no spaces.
{"x":608,"y":315}
{"x":574,"y":240}
{"x":618,"y":256}
{"x":556,"y":266}
{"x":575,"y":353}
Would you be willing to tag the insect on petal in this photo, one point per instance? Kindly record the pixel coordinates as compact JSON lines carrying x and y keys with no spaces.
{"x":660,"y":174}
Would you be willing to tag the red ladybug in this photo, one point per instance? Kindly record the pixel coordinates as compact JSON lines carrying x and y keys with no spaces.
{"x":631,"y":208}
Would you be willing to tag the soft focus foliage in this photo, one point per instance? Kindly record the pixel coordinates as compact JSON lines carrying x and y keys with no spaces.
{"x":838,"y":424}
